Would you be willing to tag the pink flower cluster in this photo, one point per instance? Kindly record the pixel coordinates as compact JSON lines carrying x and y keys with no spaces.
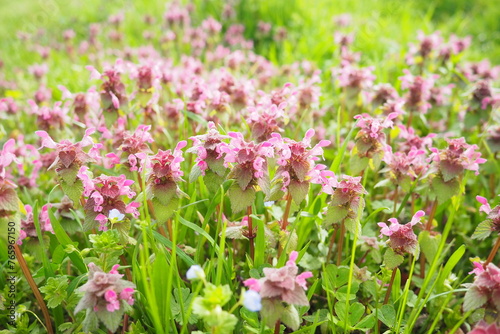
{"x":402,"y":239}
{"x":296,"y":161}
{"x":105,"y":291}
{"x":134,"y":147}
{"x":249,"y":159}
{"x":28,"y":225}
{"x":105,"y":194}
{"x":485,"y":290}
{"x":282,"y":284}
{"x":456,"y":158}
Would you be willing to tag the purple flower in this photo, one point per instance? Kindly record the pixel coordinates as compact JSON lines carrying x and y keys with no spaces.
{"x":485,"y":290}
{"x":402,"y":239}
{"x":282,"y":284}
{"x":457,"y":157}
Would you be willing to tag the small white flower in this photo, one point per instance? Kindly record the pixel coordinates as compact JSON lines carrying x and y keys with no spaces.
{"x":116,"y":216}
{"x":252,"y":300}
{"x":195,"y":272}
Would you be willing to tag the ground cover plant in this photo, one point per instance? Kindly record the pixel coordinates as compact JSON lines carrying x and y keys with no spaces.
{"x":255,"y":167}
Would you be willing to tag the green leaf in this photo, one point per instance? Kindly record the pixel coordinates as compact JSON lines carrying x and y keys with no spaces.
{"x":164,"y":212}
{"x":335,"y":276}
{"x":429,"y":244}
{"x":483,"y":230}
{"x":240,"y":199}
{"x":387,"y":314}
{"x":391,"y":259}
{"x":212,"y":181}
{"x":194,"y":174}
{"x":290,"y":317}
{"x":68,"y":175}
{"x":335,"y":214}
{"x":167,"y":243}
{"x":367,"y":323}
{"x":445,"y":190}
{"x":298,"y":190}
{"x":197,"y":229}
{"x":55,"y":291}
{"x":181,"y":298}
{"x":110,"y":319}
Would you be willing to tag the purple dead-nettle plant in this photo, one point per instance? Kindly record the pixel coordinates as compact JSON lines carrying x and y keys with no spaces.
{"x":402,"y":239}
{"x":134,"y":147}
{"x":454,"y":47}
{"x":355,"y":81}
{"x":265,"y":120}
{"x":280,"y":289}
{"x":489,"y":225}
{"x":383,"y":93}
{"x":296,"y":168}
{"x":370,"y":142}
{"x":84,"y":105}
{"x":105,"y":193}
{"x":418,"y":95}
{"x":28,"y":228}
{"x":484,"y":292}
{"x":483,"y":99}
{"x":165,"y":173}
{"x":249,"y":170}
{"x":107,"y":297}
{"x":50,"y":118}
{"x":69,"y":158}
{"x":209,"y":161}
{"x":449,"y":165}
{"x":344,"y":208}
{"x":427,"y":48}
{"x":479,"y":71}
{"x":411,"y":141}
{"x":112,"y":90}
{"x":404,"y":168}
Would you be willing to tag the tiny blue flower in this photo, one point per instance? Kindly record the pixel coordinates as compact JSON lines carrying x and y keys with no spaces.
{"x":251,"y":300}
{"x":195,"y":272}
{"x":116,"y":215}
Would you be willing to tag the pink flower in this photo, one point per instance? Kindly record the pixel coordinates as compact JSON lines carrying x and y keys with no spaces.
{"x":28,"y":225}
{"x":249,"y":158}
{"x":459,"y":155}
{"x":485,"y":207}
{"x":7,"y":156}
{"x":483,"y":327}
{"x":296,"y":160}
{"x":402,"y":239}
{"x":282,"y":284}
{"x":419,"y":91}
{"x":478,"y":268}
{"x":104,"y":292}
{"x":485,"y":290}
{"x":126,"y":295}
{"x":105,"y":193}
{"x":112,"y":298}
{"x":69,"y":156}
{"x":207,"y":147}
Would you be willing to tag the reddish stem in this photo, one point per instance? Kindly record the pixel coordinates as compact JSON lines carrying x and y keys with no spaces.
{"x":26,"y":271}
{"x":332,"y":242}
{"x":492,"y":253}
{"x":284,"y":222}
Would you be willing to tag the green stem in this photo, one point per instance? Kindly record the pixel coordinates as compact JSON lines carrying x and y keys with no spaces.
{"x":341,"y":243}
{"x":402,"y":307}
{"x":251,"y":235}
